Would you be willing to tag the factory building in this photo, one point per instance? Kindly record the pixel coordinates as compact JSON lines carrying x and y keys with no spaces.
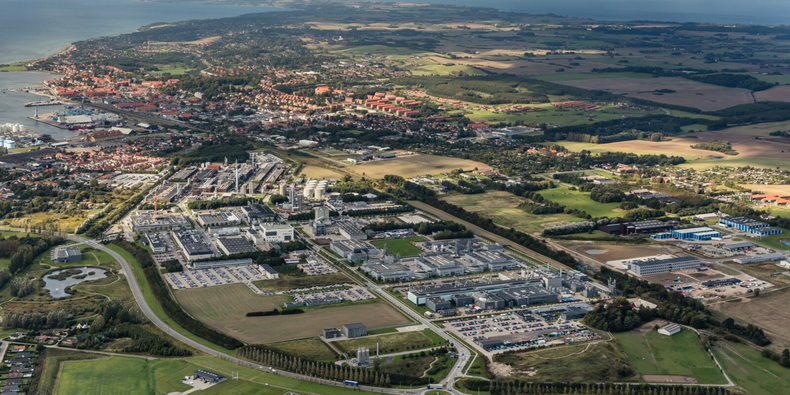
{"x":439,"y":265}
{"x":438,"y":304}
{"x":352,"y":250}
{"x":420,"y":295}
{"x":491,"y":260}
{"x":66,"y":254}
{"x":350,"y":231}
{"x":192,"y":244}
{"x":750,"y":226}
{"x":144,"y":221}
{"x":218,"y":219}
{"x":355,"y":330}
{"x":695,"y":234}
{"x":662,"y":265}
{"x":387,"y":272}
{"x":277,"y":233}
{"x":527,"y":295}
{"x":235,"y":245}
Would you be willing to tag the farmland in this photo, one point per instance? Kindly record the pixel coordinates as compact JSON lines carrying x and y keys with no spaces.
{"x":225,"y":307}
{"x":769,"y":309}
{"x":415,"y":165}
{"x":653,"y":354}
{"x":502,"y":208}
{"x":581,"y":201}
{"x":404,"y":246}
{"x":685,"y":92}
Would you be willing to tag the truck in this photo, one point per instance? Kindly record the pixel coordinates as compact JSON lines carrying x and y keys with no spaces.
{"x":435,"y":386}
{"x":350,"y":383}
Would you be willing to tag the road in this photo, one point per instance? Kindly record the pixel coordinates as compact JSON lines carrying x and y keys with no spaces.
{"x":149,"y":313}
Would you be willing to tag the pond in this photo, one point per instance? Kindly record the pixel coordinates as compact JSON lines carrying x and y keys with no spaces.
{"x":56,"y":282}
{"x":596,"y":252}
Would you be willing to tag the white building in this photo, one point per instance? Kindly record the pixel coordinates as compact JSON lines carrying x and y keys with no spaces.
{"x":277,"y":233}
{"x":669,"y":330}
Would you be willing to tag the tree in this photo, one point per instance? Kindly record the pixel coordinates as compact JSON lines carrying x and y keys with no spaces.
{"x":97,"y":325}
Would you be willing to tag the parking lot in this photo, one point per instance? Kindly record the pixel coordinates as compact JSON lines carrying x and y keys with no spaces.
{"x":511,"y":331}
{"x":214,"y":276}
{"x":315,"y":267}
{"x":352,"y":294}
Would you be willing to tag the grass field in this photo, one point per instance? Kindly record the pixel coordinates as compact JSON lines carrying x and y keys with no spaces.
{"x":403,"y":246}
{"x":575,"y":363}
{"x":391,"y":343}
{"x":748,"y":369}
{"x":310,"y":348}
{"x":502,"y":208}
{"x":415,"y":165}
{"x":120,"y":375}
{"x":581,"y":201}
{"x":225,"y":307}
{"x":320,"y":173}
{"x":682,"y":355}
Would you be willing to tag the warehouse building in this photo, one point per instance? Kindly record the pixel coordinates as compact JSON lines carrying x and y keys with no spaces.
{"x":235,"y":245}
{"x":277,"y":233}
{"x":662,"y":265}
{"x":387,"y":271}
{"x":144,"y":221}
{"x":491,"y":260}
{"x":488,"y":301}
{"x":218,"y":219}
{"x":353,"y":250}
{"x":761,"y":258}
{"x":66,"y":254}
{"x":438,"y":304}
{"x":350,"y":231}
{"x":740,"y":246}
{"x":749,"y":225}
{"x":695,"y":234}
{"x":527,"y":295}
{"x":222,"y":263}
{"x":669,"y":330}
{"x":269,"y":272}
{"x":156,"y":242}
{"x":439,"y":265}
{"x":193,"y":244}
{"x":355,"y":330}
{"x":256,"y":211}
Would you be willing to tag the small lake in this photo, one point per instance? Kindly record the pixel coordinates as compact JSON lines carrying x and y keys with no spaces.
{"x":56,"y":282}
{"x":596,"y":252}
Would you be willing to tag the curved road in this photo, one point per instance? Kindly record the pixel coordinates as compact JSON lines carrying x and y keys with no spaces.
{"x":146,"y":309}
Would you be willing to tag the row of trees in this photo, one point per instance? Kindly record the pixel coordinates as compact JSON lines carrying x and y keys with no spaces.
{"x":329,"y":371}
{"x":54,"y":319}
{"x":219,"y":203}
{"x":525,"y":387}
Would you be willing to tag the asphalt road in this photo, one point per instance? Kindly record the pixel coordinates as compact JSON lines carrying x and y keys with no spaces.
{"x":146,"y":309}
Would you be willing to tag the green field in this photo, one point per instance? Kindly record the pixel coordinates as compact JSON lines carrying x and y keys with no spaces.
{"x":310,"y":348}
{"x":682,"y":355}
{"x":590,"y":76}
{"x":748,"y":369}
{"x":125,"y":375}
{"x":403,"y":246}
{"x":502,"y":208}
{"x":601,"y":361}
{"x":581,"y":201}
{"x":391,"y":343}
{"x":121,"y":375}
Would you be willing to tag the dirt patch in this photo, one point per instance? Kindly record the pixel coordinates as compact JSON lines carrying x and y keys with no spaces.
{"x":679,"y":91}
{"x":777,"y":93}
{"x":769,"y":310}
{"x":655,"y":378}
{"x":416,"y":165}
{"x":604,"y":253}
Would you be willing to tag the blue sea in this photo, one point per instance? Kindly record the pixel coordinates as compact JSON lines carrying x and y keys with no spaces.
{"x":32,"y":29}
